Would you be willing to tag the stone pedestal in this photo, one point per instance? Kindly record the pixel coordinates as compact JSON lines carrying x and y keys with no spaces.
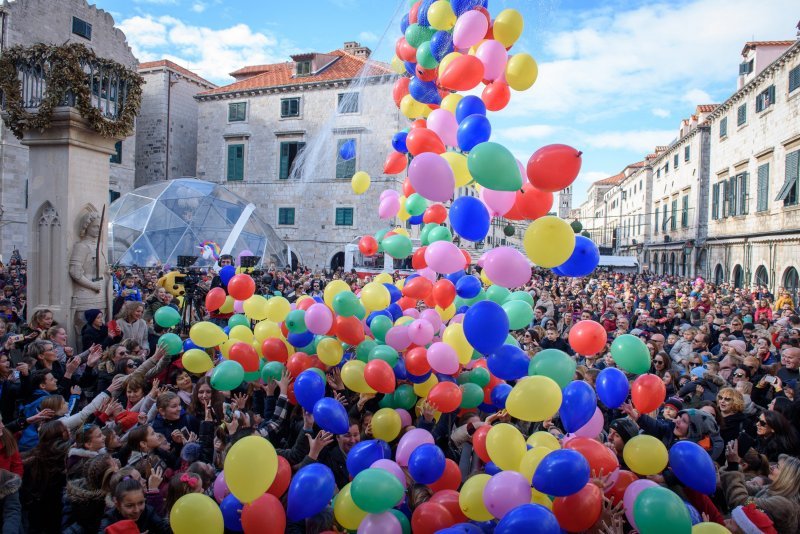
{"x":69,"y":181}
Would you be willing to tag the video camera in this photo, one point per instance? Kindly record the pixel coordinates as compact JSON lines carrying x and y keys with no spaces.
{"x":189,"y":277}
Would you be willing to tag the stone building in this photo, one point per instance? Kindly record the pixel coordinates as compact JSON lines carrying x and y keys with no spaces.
{"x":166,"y":128}
{"x":275,"y":136}
{"x":26,"y":22}
{"x":634,"y":193}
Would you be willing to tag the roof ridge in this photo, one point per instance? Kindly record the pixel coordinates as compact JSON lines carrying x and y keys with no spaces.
{"x":175,"y":66}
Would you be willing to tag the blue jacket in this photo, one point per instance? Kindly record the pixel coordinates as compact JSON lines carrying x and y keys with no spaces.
{"x":30,"y":436}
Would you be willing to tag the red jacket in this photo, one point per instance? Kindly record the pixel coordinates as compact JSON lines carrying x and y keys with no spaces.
{"x":11,"y":463}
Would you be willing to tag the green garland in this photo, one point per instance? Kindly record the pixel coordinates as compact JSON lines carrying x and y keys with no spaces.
{"x":63,"y":73}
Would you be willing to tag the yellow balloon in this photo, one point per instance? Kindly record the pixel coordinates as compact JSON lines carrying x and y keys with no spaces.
{"x":446,"y":313}
{"x":353,"y":377}
{"x":402,"y":213}
{"x":196,"y":512}
{"x":441,"y":15}
{"x":255,"y":308}
{"x":360,"y":182}
{"x":508,"y":27}
{"x":330,"y":351}
{"x":225,"y":348}
{"x":544,"y":439}
{"x":549,"y":241}
{"x":521,"y":71}
{"x":424,"y":388}
{"x":421,"y":405}
{"x":709,"y":528}
{"x":534,"y":398}
{"x":386,"y":278}
{"x":454,"y":336}
{"x":266,"y":329}
{"x":196,"y":361}
{"x":386,"y":424}
{"x":398,"y":66}
{"x":450,"y":102}
{"x":474,"y":48}
{"x":402,"y":231}
{"x":345,"y":510}
{"x":333,"y":289}
{"x":205,"y":334}
{"x":458,"y":163}
{"x":645,"y":455}
{"x":257,"y":347}
{"x":413,"y":109}
{"x":250,"y":468}
{"x":506,"y":446}
{"x":540,"y":498}
{"x":277,"y":309}
{"x":375,"y":296}
{"x":405,"y":319}
{"x":485,"y":279}
{"x":531,"y":459}
{"x":470,"y":498}
{"x":443,"y":64}
{"x":241,"y":333}
{"x":227,"y":307}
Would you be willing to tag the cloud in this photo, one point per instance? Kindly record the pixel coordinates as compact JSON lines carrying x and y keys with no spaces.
{"x":697,"y":96}
{"x":368,"y":37}
{"x":198,"y":7}
{"x":634,"y":140}
{"x":660,"y":112}
{"x":527,"y":132}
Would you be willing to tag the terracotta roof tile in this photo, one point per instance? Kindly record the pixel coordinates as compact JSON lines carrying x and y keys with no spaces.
{"x":612,"y":180}
{"x":706,"y":108}
{"x":636,"y":165}
{"x":753,"y":44}
{"x":174,"y":66}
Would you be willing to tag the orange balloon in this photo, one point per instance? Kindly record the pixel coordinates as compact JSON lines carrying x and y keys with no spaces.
{"x":298,"y":362}
{"x":305,"y":304}
{"x":395,"y":163}
{"x":349,"y":330}
{"x":600,"y":457}
{"x":368,"y":246}
{"x":479,"y":442}
{"x":406,"y":303}
{"x":449,"y":499}
{"x":426,"y":75}
{"x":416,"y":361}
{"x":445,"y":397}
{"x":450,"y":479}
{"x":418,"y":258}
{"x":379,"y":375}
{"x":245,"y":354}
{"x":419,"y":123}
{"x":648,"y":392}
{"x":462,"y":73}
{"x":435,"y":213}
{"x":588,"y":337}
{"x":617,"y":491}
{"x":274,"y":350}
{"x":421,"y":140}
{"x":496,"y":95}
{"x":579,"y":511}
{"x":418,"y":288}
{"x":215,"y":298}
{"x":282,"y":478}
{"x":408,"y":189}
{"x":444,"y":293}
{"x":533,"y":203}
{"x":405,"y":51}
{"x":400,"y":89}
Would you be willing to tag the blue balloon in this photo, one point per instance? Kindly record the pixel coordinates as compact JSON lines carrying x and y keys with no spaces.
{"x":415,"y":379}
{"x":469,"y":218}
{"x":227,"y":330}
{"x":231,"y":509}
{"x":395,"y":310}
{"x":189,"y":345}
{"x":468,"y":106}
{"x":473,"y":131}
{"x":426,"y":464}
{"x":486,"y":527}
{"x":310,"y":491}
{"x":583,"y":260}
{"x":485,"y":325}
{"x":404,"y":24}
{"x":411,"y":67}
{"x":561,"y":473}
{"x":394,"y":293}
{"x":399,"y":142}
{"x":461,"y":528}
{"x":499,"y":395}
{"x":416,"y":219}
{"x":462,"y":309}
{"x":422,"y":13}
{"x":348,"y":150}
{"x":375,"y":314}
{"x":693,"y":466}
{"x":319,"y":299}
{"x":425,"y":92}
{"x":528,"y":518}
{"x":400,"y":372}
{"x":557,"y":271}
{"x":693,"y":513}
{"x":612,"y":387}
{"x":331,"y":416}
{"x":309,"y":387}
{"x":445,"y":378}
{"x":462,"y":6}
{"x":468,"y":287}
{"x":578,"y":405}
{"x":456,"y":276}
{"x":491,"y":468}
{"x":226,"y":273}
{"x":508,"y":363}
{"x":441,"y":44}
{"x":363,"y":455}
{"x":300,"y":340}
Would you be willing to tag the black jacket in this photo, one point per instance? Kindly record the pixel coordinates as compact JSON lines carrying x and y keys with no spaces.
{"x":149,"y":521}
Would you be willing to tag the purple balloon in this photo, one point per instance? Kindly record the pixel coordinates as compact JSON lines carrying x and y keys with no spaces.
{"x":393,"y":468}
{"x":318,"y":318}
{"x":443,"y":358}
{"x":631,"y":493}
{"x":444,"y":257}
{"x":221,"y":487}
{"x":507,"y":267}
{"x":385,"y":523}
{"x":389,"y":207}
{"x":505,"y":491}
{"x":494,"y":57}
{"x":469,"y":29}
{"x":397,"y":337}
{"x":593,"y":427}
{"x":420,"y":332}
{"x":445,"y":125}
{"x":432,"y":177}
{"x":410,"y":441}
{"x":433,"y":318}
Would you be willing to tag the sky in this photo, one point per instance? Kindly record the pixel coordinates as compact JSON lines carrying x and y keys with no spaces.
{"x":615,"y":77}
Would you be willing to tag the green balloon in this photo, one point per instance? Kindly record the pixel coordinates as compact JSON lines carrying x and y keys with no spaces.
{"x":555,"y":364}
{"x":272,"y":371}
{"x":227,"y":376}
{"x":296,"y":321}
{"x":376,"y":490}
{"x":511,"y":340}
{"x":471,"y":395}
{"x":364,"y":348}
{"x":385,"y":353}
{"x":404,"y":397}
{"x":521,"y":295}
{"x":311,"y":348}
{"x":167,"y":317}
{"x":509,"y":230}
{"x":497,"y":294}
{"x":519,"y":314}
{"x":319,"y":371}
{"x":660,"y":511}
{"x":480,"y":377}
{"x":416,"y":204}
{"x":425,"y":57}
{"x":631,"y":354}
{"x":477,"y":298}
{"x":576,"y":226}
{"x":424,"y":234}
{"x":379,"y":326}
{"x":404,"y":524}
{"x":346,"y":304}
{"x":398,"y":246}
{"x":494,"y":166}
{"x":238,"y":320}
{"x":387,"y":401}
{"x":416,"y":34}
{"x":254,"y":375}
{"x":463,"y":378}
{"x":172,"y":343}
{"x":440,"y":233}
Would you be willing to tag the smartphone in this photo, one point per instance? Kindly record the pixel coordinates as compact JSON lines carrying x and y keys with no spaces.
{"x":16,"y":338}
{"x":185,"y":432}
{"x":15,"y":374}
{"x":769,"y":379}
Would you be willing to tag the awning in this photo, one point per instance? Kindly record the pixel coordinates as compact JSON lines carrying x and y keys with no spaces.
{"x":618,"y":261}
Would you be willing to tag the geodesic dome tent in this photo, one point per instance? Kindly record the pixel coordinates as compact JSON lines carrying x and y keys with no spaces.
{"x":153,"y":225}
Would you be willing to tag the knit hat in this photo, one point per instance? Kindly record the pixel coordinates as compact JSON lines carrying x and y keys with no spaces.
{"x":191,"y":452}
{"x":625,"y":428}
{"x":127,"y":420}
{"x":738,"y":345}
{"x":91,"y":315}
{"x":675,"y":402}
{"x":752,"y":520}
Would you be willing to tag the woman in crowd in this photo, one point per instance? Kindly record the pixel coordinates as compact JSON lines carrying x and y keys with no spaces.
{"x":132,"y":325}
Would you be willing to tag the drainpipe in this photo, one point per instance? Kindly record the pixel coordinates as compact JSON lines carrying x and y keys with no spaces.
{"x":170,"y":83}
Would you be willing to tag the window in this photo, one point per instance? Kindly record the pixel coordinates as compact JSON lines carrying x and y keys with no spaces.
{"x":286,"y":216}
{"x":673,"y":223}
{"x":664,"y":218}
{"x":733,"y":196}
{"x":344,"y":168}
{"x":725,"y":201}
{"x":82,"y":28}
{"x":741,"y":115}
{"x":765,"y":99}
{"x":715,"y":201}
{"x":658,"y":172}
{"x":290,"y":107}
{"x":742,"y":182}
{"x":788,"y":192}
{"x":666,"y":167}
{"x":675,"y":161}
{"x":686,"y":153}
{"x":235,"y":162}
{"x":794,"y":78}
{"x":746,"y":67}
{"x":344,"y":216}
{"x":112,"y":195}
{"x":304,"y":68}
{"x":685,"y":211}
{"x":762,"y":200}
{"x":348,"y":102}
{"x":237,"y":111}
{"x":117,"y":156}
{"x":723,"y":127}
{"x":289,"y":152}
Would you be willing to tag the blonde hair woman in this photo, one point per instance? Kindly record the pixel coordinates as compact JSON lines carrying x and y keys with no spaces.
{"x":132,"y":325}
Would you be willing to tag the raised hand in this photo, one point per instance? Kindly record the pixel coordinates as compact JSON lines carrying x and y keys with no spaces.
{"x":283,"y":383}
{"x":315,"y":445}
{"x":155,"y":478}
{"x":239,"y":400}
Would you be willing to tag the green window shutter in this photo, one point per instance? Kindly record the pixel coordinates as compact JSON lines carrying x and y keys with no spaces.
{"x":715,"y":202}
{"x":686,"y":153}
{"x":235,"y":162}
{"x":733,"y":196}
{"x":788,"y":192}
{"x":286,"y":216}
{"x":231,"y":162}
{"x":743,"y":190}
{"x":725,"y":198}
{"x":664,"y":218}
{"x":283,"y":172}
{"x":794,"y":78}
{"x":673,"y":224}
{"x":656,"y":225}
{"x":723,"y":127}
{"x":344,"y":216}
{"x":763,"y":187}
{"x":675,"y":160}
{"x":741,"y":115}
{"x":685,"y":211}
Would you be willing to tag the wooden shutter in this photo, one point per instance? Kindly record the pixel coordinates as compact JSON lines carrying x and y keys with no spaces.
{"x":763,"y":187}
{"x":231,"y":162}
{"x":743,"y":190}
{"x":283,"y":173}
{"x":790,"y":180}
{"x":715,"y":201}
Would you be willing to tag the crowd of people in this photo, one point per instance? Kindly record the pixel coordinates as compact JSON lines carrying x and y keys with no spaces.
{"x":107,"y":435}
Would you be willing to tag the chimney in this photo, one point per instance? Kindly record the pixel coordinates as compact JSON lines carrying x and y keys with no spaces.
{"x":354,"y":48}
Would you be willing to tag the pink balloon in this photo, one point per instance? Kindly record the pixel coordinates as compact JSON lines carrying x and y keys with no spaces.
{"x":593,"y":427}
{"x":428,"y":273}
{"x":494,"y":57}
{"x":504,"y":491}
{"x":392,"y":193}
{"x":420,"y":332}
{"x":319,"y":319}
{"x":507,"y":267}
{"x":457,"y":319}
{"x":444,"y":257}
{"x":385,"y":523}
{"x":445,"y":125}
{"x":220,"y":487}
{"x":409,"y":442}
{"x":411,"y":312}
{"x":392,"y":467}
{"x":238,"y":306}
{"x":432,"y":177}
{"x":389,"y":207}
{"x":470,"y":28}
{"x":397,"y":337}
{"x":405,"y":417}
{"x":631,"y":493}
{"x":432,"y":317}
{"x":443,"y":358}
{"x":498,"y":202}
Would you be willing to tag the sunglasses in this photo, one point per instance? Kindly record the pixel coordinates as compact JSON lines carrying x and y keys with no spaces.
{"x":132,"y":365}
{"x":726,"y":399}
{"x":739,"y":375}
{"x":761,"y":422}
{"x":694,"y":364}
{"x":658,"y":362}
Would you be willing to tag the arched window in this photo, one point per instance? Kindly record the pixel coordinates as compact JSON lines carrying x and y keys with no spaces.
{"x":791,"y":282}
{"x":684,"y":259}
{"x":663,"y":263}
{"x":762,"y":278}
{"x":672,"y":263}
{"x":702,"y":263}
{"x":737,"y":277}
{"x":719,"y":274}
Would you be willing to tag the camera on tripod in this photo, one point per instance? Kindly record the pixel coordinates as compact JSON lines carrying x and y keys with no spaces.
{"x":189,"y":277}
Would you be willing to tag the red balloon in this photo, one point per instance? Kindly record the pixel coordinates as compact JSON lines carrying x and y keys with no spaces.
{"x":449,"y":499}
{"x":305,"y":304}
{"x":496,"y":95}
{"x":405,"y":51}
{"x":430,"y":517}
{"x":349,"y":330}
{"x":418,"y":123}
{"x":601,"y":460}
{"x":479,"y":442}
{"x":554,"y":167}
{"x":416,"y":361}
{"x":241,"y":287}
{"x":579,"y":511}
{"x":421,"y":140}
{"x":588,"y":337}
{"x":245,"y":354}
{"x":298,"y":362}
{"x":617,"y":491}
{"x":264,"y":515}
{"x":435,"y":213}
{"x":648,"y":392}
{"x":400,"y":89}
{"x":450,"y":479}
{"x":378,"y":375}
{"x":408,"y":189}
{"x":462,"y":74}
{"x":532,"y":203}
{"x":395,"y":163}
{"x":284,"y":331}
{"x":467,"y":258}
{"x":444,"y":293}
{"x":425,"y":75}
{"x":282,"y":478}
{"x":445,"y":397}
{"x":418,"y":288}
{"x":274,"y":350}
{"x":418,"y":258}
{"x":291,"y":396}
{"x":413,"y":13}
{"x":406,"y":303}
{"x":215,"y":298}
{"x":368,"y":246}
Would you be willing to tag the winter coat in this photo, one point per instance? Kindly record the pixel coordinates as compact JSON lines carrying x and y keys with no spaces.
{"x":83,"y":508}
{"x":11,"y":462}
{"x":785,"y":513}
{"x":149,"y":521}
{"x":77,"y":458}
{"x":10,"y":506}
